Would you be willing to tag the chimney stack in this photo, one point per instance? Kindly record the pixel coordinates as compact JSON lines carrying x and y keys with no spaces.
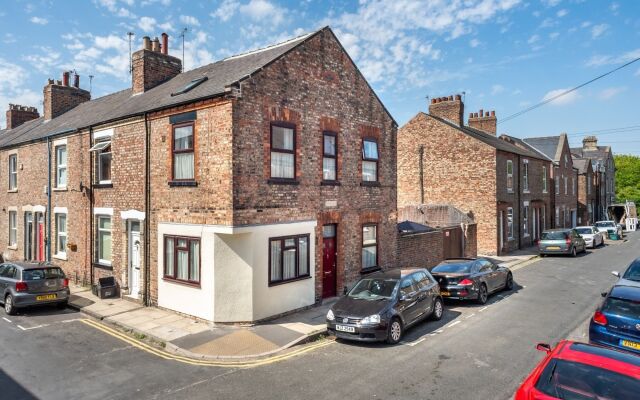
{"x":484,"y":121}
{"x":151,"y":66}
{"x":450,"y":108}
{"x":59,"y":97}
{"x":18,"y":115}
{"x":590,"y":143}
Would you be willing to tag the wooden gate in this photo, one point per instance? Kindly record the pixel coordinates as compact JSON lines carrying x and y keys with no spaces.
{"x":452,"y":242}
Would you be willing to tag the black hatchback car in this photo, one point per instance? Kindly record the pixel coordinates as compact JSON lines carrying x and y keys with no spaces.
{"x":471,"y":278}
{"x":382,"y":305}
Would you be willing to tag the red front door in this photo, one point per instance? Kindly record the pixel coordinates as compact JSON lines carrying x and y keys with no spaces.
{"x":329,"y":261}
{"x":40,"y":241}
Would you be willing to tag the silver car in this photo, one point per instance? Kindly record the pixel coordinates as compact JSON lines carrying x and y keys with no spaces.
{"x":591,"y":235}
{"x":24,"y":284}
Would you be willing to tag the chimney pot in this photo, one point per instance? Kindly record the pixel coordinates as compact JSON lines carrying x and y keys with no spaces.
{"x":65,"y":78}
{"x":458,"y":97}
{"x":470,"y":115}
{"x":146,"y":43}
{"x":493,"y":113}
{"x":451,"y":98}
{"x":59,"y":83}
{"x":155,"y":45}
{"x":475,"y":115}
{"x":165,"y":43}
{"x":486,"y":114}
{"x":481,"y":112}
{"x":76,"y":81}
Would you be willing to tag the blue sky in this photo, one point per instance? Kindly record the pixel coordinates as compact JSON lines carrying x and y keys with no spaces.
{"x":506,"y":55}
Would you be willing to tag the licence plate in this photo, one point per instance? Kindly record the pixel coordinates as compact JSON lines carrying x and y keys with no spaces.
{"x":553,"y":248}
{"x":445,"y":293}
{"x":343,"y":328}
{"x":46,"y":297}
{"x":630,"y":344}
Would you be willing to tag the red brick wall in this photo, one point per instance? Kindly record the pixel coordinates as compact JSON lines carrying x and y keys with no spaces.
{"x":569,"y":200}
{"x":316,"y":87}
{"x":458,"y":170}
{"x":421,"y":250}
{"x":586,"y":197}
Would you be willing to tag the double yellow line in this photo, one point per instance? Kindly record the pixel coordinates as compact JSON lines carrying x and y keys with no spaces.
{"x":194,"y":361}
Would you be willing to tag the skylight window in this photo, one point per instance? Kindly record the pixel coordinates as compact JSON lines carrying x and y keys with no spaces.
{"x":190,"y":86}
{"x":100,"y":146}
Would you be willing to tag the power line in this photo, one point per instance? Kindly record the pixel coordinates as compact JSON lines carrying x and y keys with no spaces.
{"x":630,"y":128}
{"x":566,"y":92}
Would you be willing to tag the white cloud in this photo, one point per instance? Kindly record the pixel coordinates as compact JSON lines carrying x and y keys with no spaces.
{"x":113,"y":7}
{"x":533,"y":39}
{"x":548,"y":23}
{"x":226,"y":10}
{"x":259,"y":10}
{"x":598,"y":30}
{"x":551,"y":3}
{"x":189,"y":20}
{"x":13,"y":77}
{"x":608,"y":93}
{"x":474,"y":42}
{"x":496,"y":89}
{"x":614,"y":8}
{"x":46,"y":61}
{"x":554,"y":35}
{"x":39,"y":20}
{"x":147,"y":24}
{"x":600,"y":60}
{"x":562,"y":13}
{"x":585,"y":24}
{"x":563,"y":100}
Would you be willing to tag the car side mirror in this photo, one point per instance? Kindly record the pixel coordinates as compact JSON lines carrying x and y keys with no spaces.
{"x":543,"y":347}
{"x":616,"y":273}
{"x":603,"y":294}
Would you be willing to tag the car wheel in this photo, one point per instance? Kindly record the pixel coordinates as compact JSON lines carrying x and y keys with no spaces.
{"x":573,"y":252}
{"x":438,"y":310}
{"x":483,"y":296}
{"x":9,"y":308}
{"x":508,"y":285}
{"x":394,"y":333}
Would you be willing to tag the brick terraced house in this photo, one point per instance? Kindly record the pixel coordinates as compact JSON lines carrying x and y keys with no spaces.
{"x":604,"y":169}
{"x":587,"y":191}
{"x":504,"y":188}
{"x":237,"y":191}
{"x":564,"y":176}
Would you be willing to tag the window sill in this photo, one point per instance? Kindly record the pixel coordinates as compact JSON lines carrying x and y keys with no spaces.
{"x":195,"y":285}
{"x":282,"y":181}
{"x":103,"y":265}
{"x":60,"y":256}
{"x":60,"y":189}
{"x":369,"y":270}
{"x":14,"y":247}
{"x":509,"y":190}
{"x":278,"y":283}
{"x":12,"y":191}
{"x":182,"y":183}
{"x":526,"y":191}
{"x":510,"y":239}
{"x":370,"y":183}
{"x":330,"y":183}
{"x":102,"y":185}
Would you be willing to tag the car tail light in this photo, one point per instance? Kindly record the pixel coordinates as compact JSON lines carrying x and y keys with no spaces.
{"x":465,"y":282}
{"x":21,"y":286}
{"x":568,"y":242}
{"x":65,"y":282}
{"x":599,"y":318}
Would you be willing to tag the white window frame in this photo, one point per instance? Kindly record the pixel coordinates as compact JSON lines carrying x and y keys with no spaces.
{"x":557,"y":216}
{"x":557,"y":180}
{"x":544,"y":179}
{"x":509,"y":175}
{"x":588,"y":185}
{"x":98,"y":231}
{"x":13,"y":228}
{"x":566,"y":186}
{"x":60,"y":167}
{"x":102,"y":147}
{"x":13,"y":172}
{"x":573,"y":185}
{"x":525,"y":230}
{"x":525,"y":176}
{"x":59,"y":234}
{"x":510,"y":223}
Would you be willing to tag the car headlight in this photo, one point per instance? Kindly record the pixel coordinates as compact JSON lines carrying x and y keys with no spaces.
{"x":371,"y":319}
{"x":330,"y":315}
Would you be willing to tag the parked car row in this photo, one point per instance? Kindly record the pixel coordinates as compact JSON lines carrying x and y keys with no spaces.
{"x":571,"y":241}
{"x":382,"y":305}
{"x":606,"y":368}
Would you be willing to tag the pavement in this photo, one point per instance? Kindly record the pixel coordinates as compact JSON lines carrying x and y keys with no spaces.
{"x":479,"y":352}
{"x":187,"y":336}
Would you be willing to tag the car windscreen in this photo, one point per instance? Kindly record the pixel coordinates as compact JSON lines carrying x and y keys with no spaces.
{"x":573,"y":380}
{"x":41,"y":273}
{"x":373,"y":289}
{"x":633,"y":272}
{"x":554,"y":235}
{"x":624,"y":307}
{"x":463,"y":268}
{"x":605,"y":225}
{"x":584,"y":231}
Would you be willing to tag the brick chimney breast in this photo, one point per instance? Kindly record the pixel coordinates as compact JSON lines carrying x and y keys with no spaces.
{"x":484,"y":121}
{"x":450,"y":108}
{"x":59,"y":97}
{"x":151,"y":66}
{"x":18,"y":115}
{"x":590,"y":143}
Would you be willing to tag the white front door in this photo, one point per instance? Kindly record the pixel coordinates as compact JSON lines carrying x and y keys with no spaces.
{"x":134,"y":259}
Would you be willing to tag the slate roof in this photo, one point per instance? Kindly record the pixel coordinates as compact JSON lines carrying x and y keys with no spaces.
{"x":123,"y":104}
{"x":546,"y":145}
{"x":581,"y":164}
{"x":408,"y":227}
{"x":489,"y":139}
{"x":524,"y":144}
{"x":600,"y":154}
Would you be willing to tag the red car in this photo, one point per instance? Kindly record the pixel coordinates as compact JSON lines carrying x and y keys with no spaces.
{"x":582,"y":371}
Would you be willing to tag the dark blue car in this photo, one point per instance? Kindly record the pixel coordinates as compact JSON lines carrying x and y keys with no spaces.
{"x":616,"y":323}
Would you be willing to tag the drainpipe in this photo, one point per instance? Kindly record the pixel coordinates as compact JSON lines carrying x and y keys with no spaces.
{"x":48,"y":239}
{"x":147,"y":214}
{"x":421,"y":162}
{"x":519,"y":206}
{"x":91,"y":210}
